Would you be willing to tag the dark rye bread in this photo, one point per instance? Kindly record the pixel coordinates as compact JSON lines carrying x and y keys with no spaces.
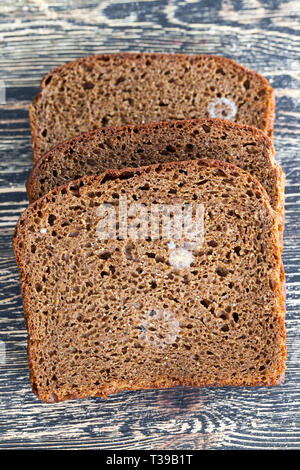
{"x":119,"y":314}
{"x":134,"y":146}
{"x":133,"y":88}
{"x":145,"y":144}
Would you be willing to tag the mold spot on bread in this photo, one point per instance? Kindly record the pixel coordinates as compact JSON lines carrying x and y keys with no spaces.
{"x":180,"y":258}
{"x":223,"y":108}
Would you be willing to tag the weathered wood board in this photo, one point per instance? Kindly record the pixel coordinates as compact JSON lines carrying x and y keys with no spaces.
{"x":37,"y":35}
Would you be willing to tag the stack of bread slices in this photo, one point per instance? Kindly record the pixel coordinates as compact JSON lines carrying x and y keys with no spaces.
{"x":150,"y":253}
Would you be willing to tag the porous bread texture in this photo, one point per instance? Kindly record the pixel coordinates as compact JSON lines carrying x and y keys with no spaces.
{"x":132,"y":88}
{"x":134,"y":146}
{"x":145,"y":144}
{"x":111,"y":315}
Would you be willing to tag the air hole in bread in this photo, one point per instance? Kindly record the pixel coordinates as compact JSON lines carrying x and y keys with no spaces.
{"x":235,"y":317}
{"x":222,"y":272}
{"x":88,"y":85}
{"x":119,"y":80}
{"x":38,"y":287}
{"x":205,"y":303}
{"x":146,"y":187}
{"x":48,"y":80}
{"x":51,"y":219}
{"x":189,"y":148}
{"x":225,"y":328}
{"x":204,"y":127}
{"x":237,"y":250}
{"x":106,"y":254}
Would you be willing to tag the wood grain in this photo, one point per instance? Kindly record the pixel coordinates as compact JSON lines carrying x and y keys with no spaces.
{"x":38,"y":35}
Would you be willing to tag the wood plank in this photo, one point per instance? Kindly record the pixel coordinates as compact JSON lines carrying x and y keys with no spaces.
{"x":37,"y":35}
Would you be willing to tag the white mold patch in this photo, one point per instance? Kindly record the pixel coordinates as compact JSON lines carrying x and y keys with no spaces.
{"x":180,"y":258}
{"x":223,"y":108}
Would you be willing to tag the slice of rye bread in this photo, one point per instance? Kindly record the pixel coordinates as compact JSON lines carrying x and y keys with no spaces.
{"x":132,"y":88}
{"x":105,"y":315}
{"x":145,"y":144}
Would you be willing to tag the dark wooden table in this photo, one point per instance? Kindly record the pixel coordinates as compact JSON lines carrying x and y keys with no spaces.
{"x":37,"y":35}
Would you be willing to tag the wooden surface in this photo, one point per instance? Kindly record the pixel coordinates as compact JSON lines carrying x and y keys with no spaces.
{"x":37,"y":35}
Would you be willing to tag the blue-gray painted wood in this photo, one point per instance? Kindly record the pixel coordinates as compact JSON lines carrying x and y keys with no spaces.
{"x":37,"y":35}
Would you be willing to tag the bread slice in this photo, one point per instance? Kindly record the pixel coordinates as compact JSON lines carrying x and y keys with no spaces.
{"x":107,"y":312}
{"x":145,"y":144}
{"x":132,"y":88}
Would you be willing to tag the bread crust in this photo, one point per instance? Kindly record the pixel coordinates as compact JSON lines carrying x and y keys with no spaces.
{"x":114,"y":387}
{"x":267,"y":118}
